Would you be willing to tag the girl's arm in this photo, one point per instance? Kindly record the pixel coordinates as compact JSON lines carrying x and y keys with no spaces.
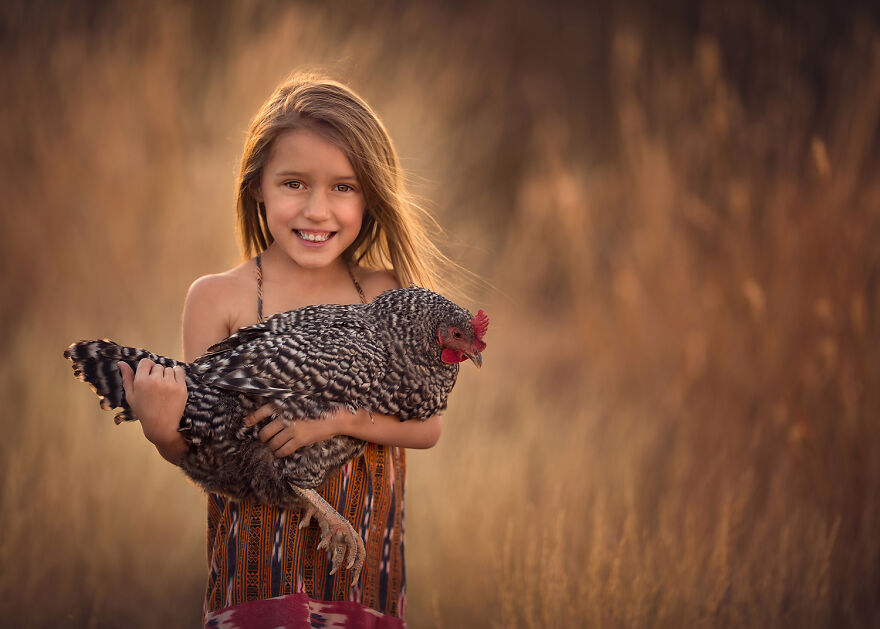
{"x":382,"y":429}
{"x":158,"y":395}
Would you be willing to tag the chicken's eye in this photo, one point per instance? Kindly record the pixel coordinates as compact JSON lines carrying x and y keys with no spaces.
{"x":457,"y":334}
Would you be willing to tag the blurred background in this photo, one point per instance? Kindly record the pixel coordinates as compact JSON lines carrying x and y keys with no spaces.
{"x":675,"y":212}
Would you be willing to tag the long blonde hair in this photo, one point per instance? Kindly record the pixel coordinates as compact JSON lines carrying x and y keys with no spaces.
{"x":393,"y":234}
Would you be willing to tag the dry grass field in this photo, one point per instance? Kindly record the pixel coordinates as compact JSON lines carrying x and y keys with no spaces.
{"x":676,"y":218}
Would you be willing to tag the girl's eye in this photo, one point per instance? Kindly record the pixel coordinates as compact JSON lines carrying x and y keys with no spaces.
{"x":294,"y":185}
{"x":344,"y":187}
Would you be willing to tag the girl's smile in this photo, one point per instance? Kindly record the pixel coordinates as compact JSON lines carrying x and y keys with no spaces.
{"x":314,"y":203}
{"x":314,"y":237}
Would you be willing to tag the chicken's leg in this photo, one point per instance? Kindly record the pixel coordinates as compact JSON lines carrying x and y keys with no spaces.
{"x":337,"y":535}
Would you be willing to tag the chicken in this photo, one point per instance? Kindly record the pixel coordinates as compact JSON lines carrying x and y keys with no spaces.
{"x":398,"y":355}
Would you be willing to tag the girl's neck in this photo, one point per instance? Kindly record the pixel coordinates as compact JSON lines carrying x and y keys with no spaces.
{"x":279,"y":268}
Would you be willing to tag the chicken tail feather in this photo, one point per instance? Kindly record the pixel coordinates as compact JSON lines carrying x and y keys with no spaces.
{"x":94,"y":362}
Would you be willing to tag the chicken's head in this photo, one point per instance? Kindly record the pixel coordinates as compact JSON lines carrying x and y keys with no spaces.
{"x":463,"y":339}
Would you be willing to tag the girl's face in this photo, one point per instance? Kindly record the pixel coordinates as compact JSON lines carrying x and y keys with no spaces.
{"x":314,"y":202}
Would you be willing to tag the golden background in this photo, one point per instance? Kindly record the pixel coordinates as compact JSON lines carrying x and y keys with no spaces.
{"x":675,"y":212}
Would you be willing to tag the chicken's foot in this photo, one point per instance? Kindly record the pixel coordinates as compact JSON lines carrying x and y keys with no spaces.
{"x":337,"y":535}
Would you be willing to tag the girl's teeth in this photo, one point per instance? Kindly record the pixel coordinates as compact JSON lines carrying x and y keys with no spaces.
{"x":314,"y":237}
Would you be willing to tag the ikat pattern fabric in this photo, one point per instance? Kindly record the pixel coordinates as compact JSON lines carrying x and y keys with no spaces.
{"x":258,"y":551}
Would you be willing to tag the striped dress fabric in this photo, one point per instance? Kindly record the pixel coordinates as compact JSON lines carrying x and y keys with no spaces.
{"x":258,"y":552}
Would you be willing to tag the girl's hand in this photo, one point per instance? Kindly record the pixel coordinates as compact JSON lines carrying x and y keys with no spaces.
{"x":157,"y":395}
{"x":284,"y":439}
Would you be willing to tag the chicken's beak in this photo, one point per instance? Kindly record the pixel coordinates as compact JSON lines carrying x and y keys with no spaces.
{"x":477,"y":359}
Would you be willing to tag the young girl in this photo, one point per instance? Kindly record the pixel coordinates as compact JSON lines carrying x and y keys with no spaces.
{"x":322,"y":205}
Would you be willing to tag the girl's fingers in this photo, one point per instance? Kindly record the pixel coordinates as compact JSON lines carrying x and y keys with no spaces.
{"x":143,"y":368}
{"x":260,"y":414}
{"x":127,"y":374}
{"x":288,"y":448}
{"x":170,"y":374}
{"x":270,"y":430}
{"x":179,"y":374}
{"x":279,"y":440}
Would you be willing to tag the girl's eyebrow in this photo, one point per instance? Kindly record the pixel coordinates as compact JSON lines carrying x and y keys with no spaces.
{"x":291,"y":173}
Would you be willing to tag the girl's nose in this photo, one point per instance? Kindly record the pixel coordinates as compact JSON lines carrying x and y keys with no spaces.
{"x":317,"y":208}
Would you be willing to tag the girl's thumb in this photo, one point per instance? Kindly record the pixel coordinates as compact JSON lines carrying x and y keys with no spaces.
{"x":127,"y":375}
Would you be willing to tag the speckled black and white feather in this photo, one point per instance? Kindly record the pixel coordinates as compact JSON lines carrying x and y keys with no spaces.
{"x":382,"y":356}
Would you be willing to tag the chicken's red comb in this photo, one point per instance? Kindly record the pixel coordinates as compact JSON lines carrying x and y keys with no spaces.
{"x":480,"y":324}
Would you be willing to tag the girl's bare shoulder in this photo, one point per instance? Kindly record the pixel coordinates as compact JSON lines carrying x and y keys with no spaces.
{"x":222,"y":297}
{"x":376,"y":281}
{"x":226,"y":285}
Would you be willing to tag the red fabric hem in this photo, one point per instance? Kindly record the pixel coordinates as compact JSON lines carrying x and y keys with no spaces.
{"x":298,"y":611}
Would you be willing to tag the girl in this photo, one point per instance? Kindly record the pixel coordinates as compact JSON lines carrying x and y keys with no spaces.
{"x":321,"y":203}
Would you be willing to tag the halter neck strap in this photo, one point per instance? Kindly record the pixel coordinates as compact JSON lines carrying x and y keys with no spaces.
{"x":259,"y":261}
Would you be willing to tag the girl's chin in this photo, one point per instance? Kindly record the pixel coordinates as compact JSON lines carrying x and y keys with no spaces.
{"x":311,"y":257}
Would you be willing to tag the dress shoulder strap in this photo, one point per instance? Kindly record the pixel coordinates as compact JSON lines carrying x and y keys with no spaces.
{"x":357,"y":285}
{"x":259,"y":288}
{"x":259,"y":262}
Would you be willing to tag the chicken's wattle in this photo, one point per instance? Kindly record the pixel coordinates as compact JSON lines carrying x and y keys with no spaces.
{"x":452,"y":356}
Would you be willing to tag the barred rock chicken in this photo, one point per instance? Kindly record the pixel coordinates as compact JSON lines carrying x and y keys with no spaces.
{"x":397,"y":355}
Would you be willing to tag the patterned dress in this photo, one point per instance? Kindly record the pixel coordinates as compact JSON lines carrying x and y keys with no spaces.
{"x":266,"y":571}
